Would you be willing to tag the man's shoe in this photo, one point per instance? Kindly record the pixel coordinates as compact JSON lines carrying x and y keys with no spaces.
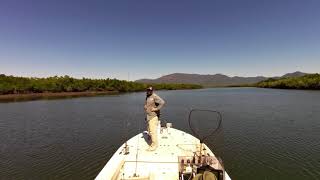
{"x":151,"y":149}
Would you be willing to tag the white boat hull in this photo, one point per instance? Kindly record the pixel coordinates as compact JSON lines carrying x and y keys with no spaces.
{"x":161,"y":164}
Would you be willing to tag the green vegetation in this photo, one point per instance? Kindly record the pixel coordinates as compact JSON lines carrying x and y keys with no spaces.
{"x":310,"y":81}
{"x":23,"y":85}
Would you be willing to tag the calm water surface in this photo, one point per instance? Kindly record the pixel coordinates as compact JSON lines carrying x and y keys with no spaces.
{"x":267,"y":133}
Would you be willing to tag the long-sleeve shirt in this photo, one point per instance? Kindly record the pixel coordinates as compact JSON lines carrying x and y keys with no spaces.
{"x":151,"y":103}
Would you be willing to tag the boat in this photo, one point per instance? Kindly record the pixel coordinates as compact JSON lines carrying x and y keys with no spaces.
{"x":179,"y":156}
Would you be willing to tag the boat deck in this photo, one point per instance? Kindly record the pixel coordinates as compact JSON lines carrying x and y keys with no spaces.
{"x":163,"y":163}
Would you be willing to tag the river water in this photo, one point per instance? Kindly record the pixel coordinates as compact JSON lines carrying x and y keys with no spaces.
{"x":266,"y":133}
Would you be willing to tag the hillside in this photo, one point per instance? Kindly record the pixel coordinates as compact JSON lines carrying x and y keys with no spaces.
{"x":24,"y":85}
{"x":215,"y":80}
{"x":309,"y":81}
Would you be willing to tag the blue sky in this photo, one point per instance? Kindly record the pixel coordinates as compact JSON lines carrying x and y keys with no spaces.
{"x":147,"y":39}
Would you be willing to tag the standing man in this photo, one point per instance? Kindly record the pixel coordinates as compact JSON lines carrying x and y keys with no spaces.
{"x":151,"y":110}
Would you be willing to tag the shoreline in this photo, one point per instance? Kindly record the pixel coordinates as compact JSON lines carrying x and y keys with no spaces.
{"x":51,"y":95}
{"x":64,"y":95}
{"x":6,"y":98}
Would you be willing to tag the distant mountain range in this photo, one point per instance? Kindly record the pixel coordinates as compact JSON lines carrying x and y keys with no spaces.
{"x":212,"y":80}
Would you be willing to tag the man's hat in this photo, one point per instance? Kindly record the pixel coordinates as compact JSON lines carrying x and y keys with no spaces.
{"x":150,"y":88}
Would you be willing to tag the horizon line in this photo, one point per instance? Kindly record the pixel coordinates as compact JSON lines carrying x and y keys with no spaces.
{"x":101,"y":77}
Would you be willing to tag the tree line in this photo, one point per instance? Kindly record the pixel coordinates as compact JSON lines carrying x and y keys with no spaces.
{"x":23,"y":85}
{"x":309,"y":81}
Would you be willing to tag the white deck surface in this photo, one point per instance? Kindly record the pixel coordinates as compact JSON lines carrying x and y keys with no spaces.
{"x":161,"y":164}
